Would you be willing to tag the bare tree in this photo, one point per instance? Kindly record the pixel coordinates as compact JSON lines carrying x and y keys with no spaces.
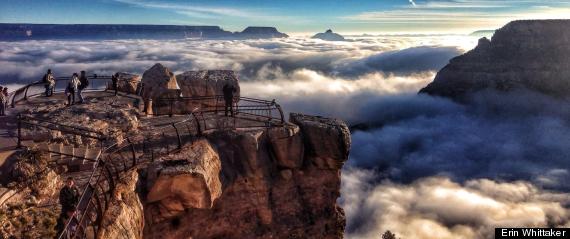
{"x":388,"y":235}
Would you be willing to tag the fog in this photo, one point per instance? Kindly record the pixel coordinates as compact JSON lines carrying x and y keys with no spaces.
{"x":419,"y":166}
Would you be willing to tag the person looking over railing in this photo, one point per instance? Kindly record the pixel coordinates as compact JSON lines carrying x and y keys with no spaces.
{"x":49,"y":82}
{"x":115,"y":81}
{"x":3,"y":101}
{"x":71,"y":89}
{"x":229,"y":89}
{"x":6,"y":98}
{"x":84,"y":82}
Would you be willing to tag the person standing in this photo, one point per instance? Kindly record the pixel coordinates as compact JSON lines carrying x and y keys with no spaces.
{"x":229,"y":89}
{"x":69,"y":196}
{"x":84,"y":82}
{"x":49,"y":83}
{"x":115,"y":82}
{"x":72,"y":88}
{"x":2,"y":101}
{"x":6,"y":98}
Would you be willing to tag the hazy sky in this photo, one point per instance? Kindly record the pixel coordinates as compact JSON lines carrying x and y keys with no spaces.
{"x":292,"y":16}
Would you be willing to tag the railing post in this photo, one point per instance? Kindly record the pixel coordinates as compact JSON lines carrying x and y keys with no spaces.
{"x":178,"y":136}
{"x":19,"y":117}
{"x":148,"y":109}
{"x":26,"y":92}
{"x":171,"y":103}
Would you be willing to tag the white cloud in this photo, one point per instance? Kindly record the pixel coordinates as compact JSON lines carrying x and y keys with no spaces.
{"x":436,"y":207}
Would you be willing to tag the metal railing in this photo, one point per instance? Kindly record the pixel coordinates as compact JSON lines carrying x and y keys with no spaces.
{"x":36,"y":123}
{"x":253,"y":109}
{"x":96,"y":83}
{"x":96,"y":195}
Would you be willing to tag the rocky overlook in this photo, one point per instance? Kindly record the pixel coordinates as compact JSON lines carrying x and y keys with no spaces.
{"x":530,"y":54}
{"x":231,"y":177}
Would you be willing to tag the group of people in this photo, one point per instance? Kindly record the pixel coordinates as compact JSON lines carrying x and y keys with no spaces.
{"x":76,"y":85}
{"x":3,"y":100}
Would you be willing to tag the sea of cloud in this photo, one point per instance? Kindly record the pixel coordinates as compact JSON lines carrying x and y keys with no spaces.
{"x":501,"y":159}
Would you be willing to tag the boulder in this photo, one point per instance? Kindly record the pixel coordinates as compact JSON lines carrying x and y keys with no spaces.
{"x":188,"y":179}
{"x":128,"y":83}
{"x":327,"y":141}
{"x":204,"y":83}
{"x":159,"y":82}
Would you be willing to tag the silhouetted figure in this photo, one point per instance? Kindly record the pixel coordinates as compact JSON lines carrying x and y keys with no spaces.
{"x":2,"y":101}
{"x":229,"y":90}
{"x":71,"y":88}
{"x":49,"y":83}
{"x":6,"y":98}
{"x":69,"y":196}
{"x":115,"y":81}
{"x":84,"y":82}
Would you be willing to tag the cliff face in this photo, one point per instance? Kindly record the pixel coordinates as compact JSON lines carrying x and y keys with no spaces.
{"x":276,"y":183}
{"x":533,"y":54}
{"x":17,"y":32}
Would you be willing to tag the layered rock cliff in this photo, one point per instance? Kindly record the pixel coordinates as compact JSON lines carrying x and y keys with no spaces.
{"x":530,"y":54}
{"x":276,"y":183}
{"x":17,"y":31}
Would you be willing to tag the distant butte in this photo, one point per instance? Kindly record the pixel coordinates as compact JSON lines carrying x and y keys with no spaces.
{"x":329,"y":35}
{"x":15,"y":32}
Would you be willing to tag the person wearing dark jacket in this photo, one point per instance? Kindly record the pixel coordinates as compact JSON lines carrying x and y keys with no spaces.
{"x":69,"y":196}
{"x":84,"y":82}
{"x":115,"y":81}
{"x":3,"y":99}
{"x":229,"y":90}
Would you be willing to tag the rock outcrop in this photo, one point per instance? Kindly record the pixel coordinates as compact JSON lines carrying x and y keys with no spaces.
{"x":531,"y":54}
{"x":124,"y":217}
{"x":260,"y":33}
{"x":128,"y":83}
{"x":159,"y":82}
{"x":276,"y":183}
{"x":225,"y":177}
{"x":206,"y":83}
{"x":188,"y":179}
{"x":329,"y":35}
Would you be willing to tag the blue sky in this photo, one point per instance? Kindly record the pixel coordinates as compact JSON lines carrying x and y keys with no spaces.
{"x":292,"y":16}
